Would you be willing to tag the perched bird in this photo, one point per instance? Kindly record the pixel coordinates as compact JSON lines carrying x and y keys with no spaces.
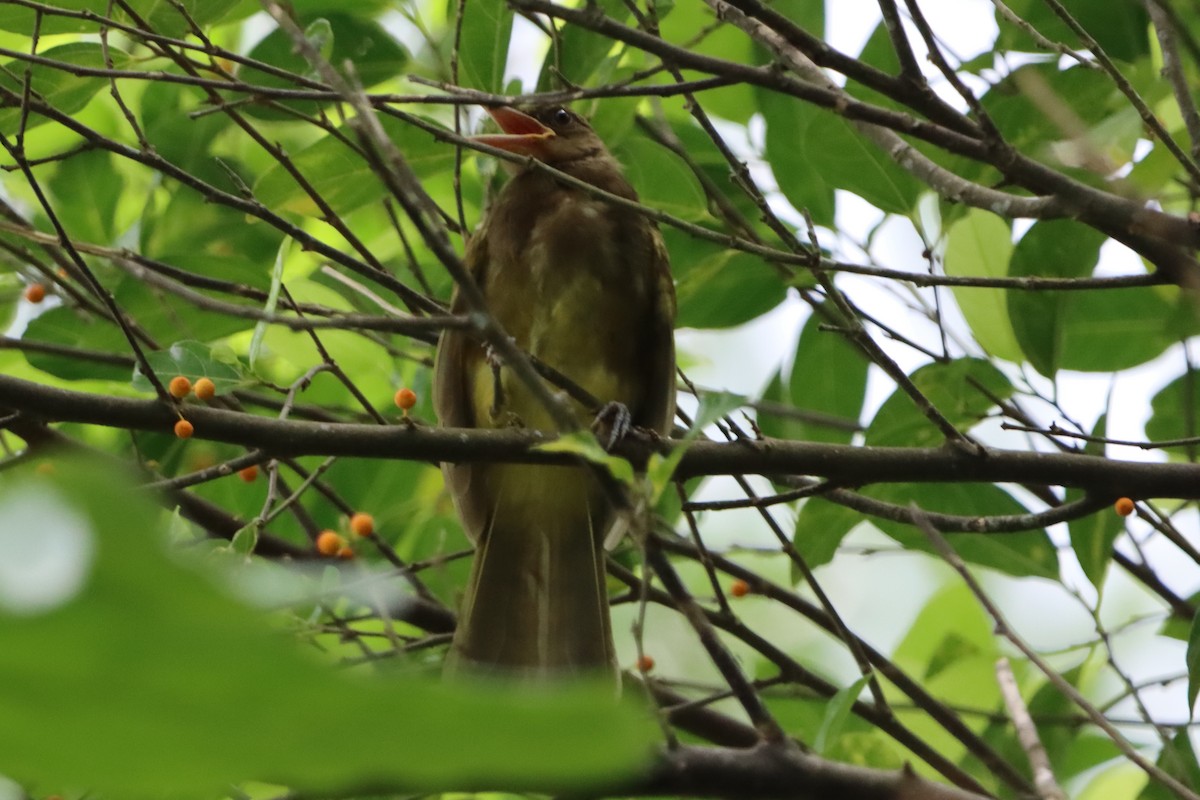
{"x":585,"y":287}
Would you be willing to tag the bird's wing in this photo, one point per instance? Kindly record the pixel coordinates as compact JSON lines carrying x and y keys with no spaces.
{"x":659,"y":411}
{"x":452,"y":398}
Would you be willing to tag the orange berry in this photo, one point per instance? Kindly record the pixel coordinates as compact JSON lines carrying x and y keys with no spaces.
{"x":44,"y":468}
{"x":1123,"y":506}
{"x":179,"y":387}
{"x":406,"y":399}
{"x":35,"y":293}
{"x":205,"y":389}
{"x":362,"y":524}
{"x":739,"y":588}
{"x":645,"y":664}
{"x":184,"y":429}
{"x":345,"y":552}
{"x":249,"y":474}
{"x":329,"y":543}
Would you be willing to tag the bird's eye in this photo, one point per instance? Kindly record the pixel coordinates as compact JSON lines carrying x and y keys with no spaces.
{"x":561,"y":116}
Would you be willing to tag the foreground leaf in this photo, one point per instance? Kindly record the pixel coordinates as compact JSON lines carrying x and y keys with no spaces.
{"x":131,"y":656}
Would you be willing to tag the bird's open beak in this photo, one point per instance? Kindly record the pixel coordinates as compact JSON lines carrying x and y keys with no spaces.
{"x":522,"y":134}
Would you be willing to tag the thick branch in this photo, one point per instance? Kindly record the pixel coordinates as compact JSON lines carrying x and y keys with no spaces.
{"x":845,"y":465}
{"x":773,"y":772}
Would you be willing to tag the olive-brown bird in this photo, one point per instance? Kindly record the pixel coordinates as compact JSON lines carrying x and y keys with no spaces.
{"x":584,"y":286}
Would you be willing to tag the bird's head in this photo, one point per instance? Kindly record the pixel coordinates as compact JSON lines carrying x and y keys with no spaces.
{"x":552,"y":134}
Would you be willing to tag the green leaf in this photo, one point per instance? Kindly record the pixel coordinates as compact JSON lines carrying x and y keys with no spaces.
{"x":837,"y":711}
{"x":1178,"y":759}
{"x":584,"y":444}
{"x":138,"y":653}
{"x":979,"y":246}
{"x":820,"y":528}
{"x":161,"y":17}
{"x":795,"y":168}
{"x":1094,"y":331}
{"x":579,"y":51}
{"x":662,"y":179}
{"x":1092,"y":537}
{"x":375,"y":54}
{"x":87,"y":189}
{"x":828,"y":376}
{"x":1193,"y":664}
{"x":1029,"y":553}
{"x":726,"y":289}
{"x":342,"y":177}
{"x":1175,"y":414}
{"x":269,"y":307}
{"x":952,"y":612}
{"x":1120,"y":27}
{"x":952,"y":388}
{"x":193,"y":360}
{"x":483,"y":47}
{"x":64,"y":326}
{"x":65,"y":92}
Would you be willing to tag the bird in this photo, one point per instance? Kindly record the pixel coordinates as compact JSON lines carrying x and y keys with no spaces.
{"x":584,"y":286}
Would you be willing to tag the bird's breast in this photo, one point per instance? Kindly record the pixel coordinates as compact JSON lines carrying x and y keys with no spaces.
{"x":577,"y":296}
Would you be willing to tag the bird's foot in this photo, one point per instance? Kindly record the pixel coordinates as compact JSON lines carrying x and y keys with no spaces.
{"x":506,"y":419}
{"x":613,"y":421}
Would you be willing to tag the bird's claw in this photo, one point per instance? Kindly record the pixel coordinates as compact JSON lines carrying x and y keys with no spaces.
{"x":614,"y":420}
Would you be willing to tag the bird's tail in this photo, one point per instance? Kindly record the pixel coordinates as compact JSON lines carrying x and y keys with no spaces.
{"x":536,"y":604}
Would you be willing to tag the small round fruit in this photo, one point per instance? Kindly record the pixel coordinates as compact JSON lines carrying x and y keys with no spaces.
{"x":184,"y":429}
{"x":35,"y":293}
{"x":362,"y":524}
{"x":329,"y":543}
{"x":645,"y":664}
{"x":249,"y":474}
{"x":205,"y":389}
{"x":739,"y":588}
{"x":345,"y":553}
{"x":405,"y":399}
{"x":44,"y":468}
{"x":1123,"y":506}
{"x":179,"y":387}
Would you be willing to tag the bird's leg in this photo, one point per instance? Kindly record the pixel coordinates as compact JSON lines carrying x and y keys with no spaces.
{"x":498,"y":413}
{"x":495,"y":362}
{"x":612,"y":419}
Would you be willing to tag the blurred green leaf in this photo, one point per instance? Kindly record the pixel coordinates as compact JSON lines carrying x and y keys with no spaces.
{"x":1120,"y":27}
{"x":979,"y":246}
{"x":794,"y":165}
{"x":1175,"y":414}
{"x":64,"y":326}
{"x":65,"y":92}
{"x":1025,"y":554}
{"x":579,"y":51}
{"x":583,"y":444}
{"x":725,"y":289}
{"x":163,"y":18}
{"x":836,"y":713}
{"x":483,"y":46}
{"x":953,"y":388}
{"x":341,"y":176}
{"x":375,"y":54}
{"x":1092,"y":537}
{"x":828,"y":376}
{"x":1091,"y":331}
{"x":1048,"y":249}
{"x":662,"y":179}
{"x":1178,"y":760}
{"x":211,"y":697}
{"x":87,"y":188}
{"x":820,"y":527}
